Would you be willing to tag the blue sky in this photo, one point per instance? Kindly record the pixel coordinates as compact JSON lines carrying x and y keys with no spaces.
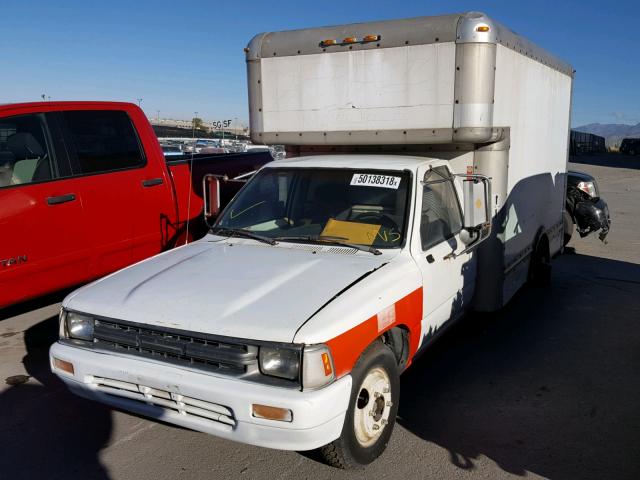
{"x":186,"y":56}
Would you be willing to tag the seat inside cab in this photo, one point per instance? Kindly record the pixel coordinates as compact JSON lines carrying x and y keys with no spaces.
{"x":23,"y":155}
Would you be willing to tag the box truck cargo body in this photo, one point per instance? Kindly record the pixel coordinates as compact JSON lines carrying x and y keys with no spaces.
{"x":425,"y":177}
{"x":462,"y":85}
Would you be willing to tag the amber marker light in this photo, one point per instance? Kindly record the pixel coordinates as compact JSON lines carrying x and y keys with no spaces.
{"x":328,"y":42}
{"x":371,"y":38}
{"x":482,"y":28}
{"x":272,"y":413}
{"x":326,"y":362}
{"x":349,"y":40}
{"x":63,"y":365}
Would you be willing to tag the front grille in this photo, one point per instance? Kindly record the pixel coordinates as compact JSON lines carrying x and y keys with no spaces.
{"x":221,"y":415}
{"x":180,"y":348}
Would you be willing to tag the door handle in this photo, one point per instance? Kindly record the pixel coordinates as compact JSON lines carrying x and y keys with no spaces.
{"x":69,"y":197}
{"x":152,"y":182}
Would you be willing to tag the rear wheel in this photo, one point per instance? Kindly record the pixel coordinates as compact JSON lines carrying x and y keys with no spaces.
{"x":568,"y":228}
{"x":540,"y":267}
{"x":372,"y":410}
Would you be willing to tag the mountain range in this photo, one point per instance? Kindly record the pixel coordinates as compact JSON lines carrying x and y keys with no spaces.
{"x":613,"y":133}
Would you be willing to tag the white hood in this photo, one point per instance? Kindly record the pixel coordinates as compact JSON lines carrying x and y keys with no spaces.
{"x":238,"y":288}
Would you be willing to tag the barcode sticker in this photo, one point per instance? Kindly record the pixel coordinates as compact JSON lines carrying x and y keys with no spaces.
{"x":371,"y":180}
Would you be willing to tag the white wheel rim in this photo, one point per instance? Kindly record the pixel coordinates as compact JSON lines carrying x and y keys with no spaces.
{"x":372,"y":407}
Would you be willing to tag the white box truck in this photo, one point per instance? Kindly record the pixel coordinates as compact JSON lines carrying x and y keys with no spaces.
{"x":426,"y":177}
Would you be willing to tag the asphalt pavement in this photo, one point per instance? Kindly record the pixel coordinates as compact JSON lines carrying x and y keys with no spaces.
{"x":549,"y":387}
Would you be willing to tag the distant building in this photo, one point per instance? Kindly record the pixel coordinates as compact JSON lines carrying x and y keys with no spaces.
{"x":581,"y":143}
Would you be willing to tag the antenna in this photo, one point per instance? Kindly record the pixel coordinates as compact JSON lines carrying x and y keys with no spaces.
{"x":193,"y":151}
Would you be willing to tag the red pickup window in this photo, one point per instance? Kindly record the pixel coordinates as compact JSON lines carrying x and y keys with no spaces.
{"x":103,"y":140}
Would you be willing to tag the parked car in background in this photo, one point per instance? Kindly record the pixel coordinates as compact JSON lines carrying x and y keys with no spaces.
{"x":584,"y":208}
{"x":171,"y":150}
{"x":85,"y":190}
{"x":630,"y":146}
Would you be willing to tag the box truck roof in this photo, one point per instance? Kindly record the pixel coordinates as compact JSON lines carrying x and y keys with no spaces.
{"x":468,"y":27}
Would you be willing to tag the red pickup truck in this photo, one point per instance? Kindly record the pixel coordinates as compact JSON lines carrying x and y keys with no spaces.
{"x":85,"y":190}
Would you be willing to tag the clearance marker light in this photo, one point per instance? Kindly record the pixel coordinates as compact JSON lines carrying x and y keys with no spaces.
{"x":482,"y":28}
{"x":63,"y":365}
{"x":349,"y":40}
{"x":371,"y":38}
{"x":329,"y":42}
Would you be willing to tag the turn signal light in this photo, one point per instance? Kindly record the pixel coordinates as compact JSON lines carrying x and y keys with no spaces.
{"x":63,"y":365}
{"x":272,"y":413}
{"x":482,"y":28}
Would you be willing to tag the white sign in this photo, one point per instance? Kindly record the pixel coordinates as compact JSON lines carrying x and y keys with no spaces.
{"x":372,"y":180}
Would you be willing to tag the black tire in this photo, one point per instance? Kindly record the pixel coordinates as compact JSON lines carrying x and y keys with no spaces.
{"x":348,"y":452}
{"x":568,"y":228}
{"x":540,"y":266}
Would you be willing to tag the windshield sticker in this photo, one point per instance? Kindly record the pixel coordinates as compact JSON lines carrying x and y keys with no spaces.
{"x":370,"y":180}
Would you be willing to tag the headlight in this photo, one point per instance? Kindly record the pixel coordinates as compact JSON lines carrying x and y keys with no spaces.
{"x":589,"y":188}
{"x":317,"y":367}
{"x":79,"y":326}
{"x":280,"y":362}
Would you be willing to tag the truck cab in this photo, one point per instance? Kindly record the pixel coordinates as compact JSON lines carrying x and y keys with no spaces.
{"x":316,"y":258}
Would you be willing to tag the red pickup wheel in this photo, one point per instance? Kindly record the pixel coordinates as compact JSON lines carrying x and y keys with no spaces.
{"x":372,"y":410}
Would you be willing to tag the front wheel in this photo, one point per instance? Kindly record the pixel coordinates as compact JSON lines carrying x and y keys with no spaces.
{"x":369,"y":422}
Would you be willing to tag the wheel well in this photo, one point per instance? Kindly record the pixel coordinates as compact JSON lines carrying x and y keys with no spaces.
{"x":397,"y":339}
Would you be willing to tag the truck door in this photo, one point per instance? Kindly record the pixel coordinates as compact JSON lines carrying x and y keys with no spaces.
{"x":108,"y":165}
{"x":448,"y":280}
{"x":43,"y":243}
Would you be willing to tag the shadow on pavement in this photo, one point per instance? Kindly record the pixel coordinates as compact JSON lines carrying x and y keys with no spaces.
{"x":46,"y":431}
{"x":550,"y":385}
{"x":608,"y":160}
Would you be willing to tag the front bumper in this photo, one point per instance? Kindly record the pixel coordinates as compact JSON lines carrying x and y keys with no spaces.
{"x":205,"y":402}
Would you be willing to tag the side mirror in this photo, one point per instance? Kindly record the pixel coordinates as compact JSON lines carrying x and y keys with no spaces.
{"x":476,"y":225}
{"x":211,"y":192}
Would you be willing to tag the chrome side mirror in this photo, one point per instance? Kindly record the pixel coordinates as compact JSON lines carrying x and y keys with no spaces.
{"x":211,"y":193}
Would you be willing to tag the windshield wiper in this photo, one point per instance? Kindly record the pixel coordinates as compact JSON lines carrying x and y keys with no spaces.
{"x":241,"y":232}
{"x":333,"y":241}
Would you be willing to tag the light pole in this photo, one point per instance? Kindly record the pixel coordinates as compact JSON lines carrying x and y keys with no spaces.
{"x":158,"y":119}
{"x":139,"y":101}
{"x":236,"y":129}
{"x":193,"y":124}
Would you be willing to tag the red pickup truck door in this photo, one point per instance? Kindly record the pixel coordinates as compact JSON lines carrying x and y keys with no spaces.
{"x":109,"y":166}
{"x":43,"y":244}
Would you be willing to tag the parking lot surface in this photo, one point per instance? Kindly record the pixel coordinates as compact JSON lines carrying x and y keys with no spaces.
{"x":549,"y":387}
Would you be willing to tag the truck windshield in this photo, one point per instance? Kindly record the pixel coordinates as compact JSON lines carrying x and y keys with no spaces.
{"x":362,"y":207}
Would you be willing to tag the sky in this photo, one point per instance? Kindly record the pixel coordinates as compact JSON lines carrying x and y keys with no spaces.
{"x":187,"y":56}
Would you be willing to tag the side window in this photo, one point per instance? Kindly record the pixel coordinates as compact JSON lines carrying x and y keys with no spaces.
{"x":103,"y":141}
{"x":24,"y":154}
{"x":441,"y":217}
